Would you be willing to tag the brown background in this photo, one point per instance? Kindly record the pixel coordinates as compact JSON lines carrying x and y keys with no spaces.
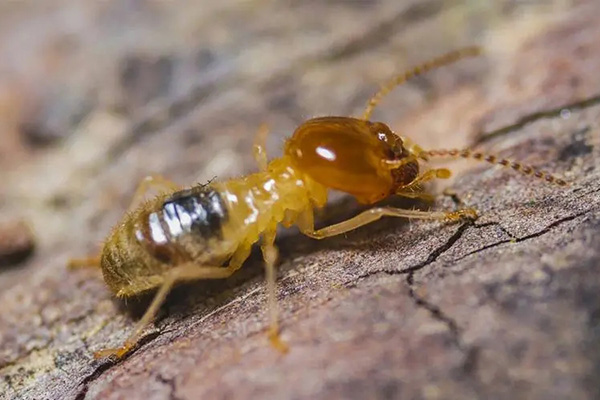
{"x":95,"y":95}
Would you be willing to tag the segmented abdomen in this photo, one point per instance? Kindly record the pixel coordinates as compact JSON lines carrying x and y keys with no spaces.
{"x":167,"y":231}
{"x":203,"y":225}
{"x":186,"y":227}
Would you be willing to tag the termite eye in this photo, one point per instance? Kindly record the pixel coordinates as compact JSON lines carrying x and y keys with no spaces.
{"x":385,"y":134}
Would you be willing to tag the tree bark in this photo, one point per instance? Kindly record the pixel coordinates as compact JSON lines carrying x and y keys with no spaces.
{"x":505,"y":307}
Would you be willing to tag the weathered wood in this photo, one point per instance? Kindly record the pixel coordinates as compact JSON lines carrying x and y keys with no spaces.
{"x":505,"y":307}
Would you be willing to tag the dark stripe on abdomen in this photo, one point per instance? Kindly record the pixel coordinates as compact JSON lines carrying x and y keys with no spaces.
{"x":184,"y":225}
{"x":198,"y":211}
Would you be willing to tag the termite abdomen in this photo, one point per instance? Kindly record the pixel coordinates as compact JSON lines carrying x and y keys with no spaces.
{"x":171,"y":230}
{"x":184,"y":224}
{"x":199,"y":211}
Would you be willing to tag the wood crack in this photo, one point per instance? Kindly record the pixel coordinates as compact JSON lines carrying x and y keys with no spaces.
{"x":433,"y":256}
{"x":104,"y":366}
{"x":523,"y":238}
{"x":471,"y":353}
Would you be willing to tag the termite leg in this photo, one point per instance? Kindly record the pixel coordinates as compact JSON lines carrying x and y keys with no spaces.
{"x":373,"y":214}
{"x":270,"y":254}
{"x":85,"y":262}
{"x":260,"y":147}
{"x":184,"y":272}
{"x":157,"y":182}
{"x":394,"y":164}
{"x":414,"y":186}
{"x":418,"y":195}
{"x":414,"y":190}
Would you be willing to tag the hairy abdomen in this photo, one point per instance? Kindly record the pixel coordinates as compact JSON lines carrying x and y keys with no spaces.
{"x":203,"y":225}
{"x":184,"y":227}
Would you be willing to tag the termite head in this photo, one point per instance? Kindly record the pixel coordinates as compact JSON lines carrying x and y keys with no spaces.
{"x":363,"y":158}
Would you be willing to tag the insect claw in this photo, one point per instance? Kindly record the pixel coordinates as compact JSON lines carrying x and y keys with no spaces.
{"x":86,"y":262}
{"x":276,"y":341}
{"x":469,"y":213}
{"x":466,"y":214}
{"x":114,"y":353}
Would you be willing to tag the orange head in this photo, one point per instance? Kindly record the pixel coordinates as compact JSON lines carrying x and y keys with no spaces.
{"x":362,"y":158}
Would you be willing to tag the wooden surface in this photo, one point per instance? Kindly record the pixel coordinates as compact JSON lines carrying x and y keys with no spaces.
{"x":95,"y":95}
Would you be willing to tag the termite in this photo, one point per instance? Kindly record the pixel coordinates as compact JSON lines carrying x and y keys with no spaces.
{"x":207,"y":231}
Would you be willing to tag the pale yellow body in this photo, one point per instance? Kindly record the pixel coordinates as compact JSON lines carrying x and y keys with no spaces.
{"x":258,"y":202}
{"x":255,"y":204}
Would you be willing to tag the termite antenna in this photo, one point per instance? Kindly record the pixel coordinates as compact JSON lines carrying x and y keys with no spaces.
{"x":397,"y":80}
{"x":492,"y":159}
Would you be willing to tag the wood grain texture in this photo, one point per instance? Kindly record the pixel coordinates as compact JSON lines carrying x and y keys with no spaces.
{"x":95,"y":95}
